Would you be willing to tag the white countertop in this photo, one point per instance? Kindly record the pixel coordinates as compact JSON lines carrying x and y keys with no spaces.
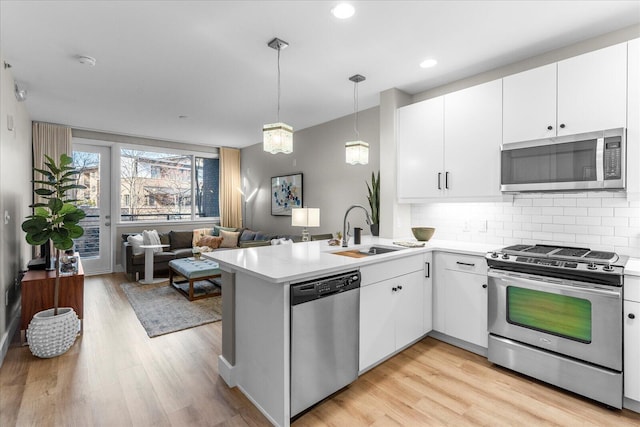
{"x":632,"y":267}
{"x":300,"y":261}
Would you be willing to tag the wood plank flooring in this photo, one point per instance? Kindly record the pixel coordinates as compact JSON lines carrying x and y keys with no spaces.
{"x":115,"y":375}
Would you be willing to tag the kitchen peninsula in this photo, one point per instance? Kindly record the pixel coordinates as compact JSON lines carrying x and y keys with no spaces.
{"x":256,"y":306}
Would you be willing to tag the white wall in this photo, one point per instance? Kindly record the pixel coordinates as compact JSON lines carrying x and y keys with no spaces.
{"x":598,"y":220}
{"x":329,"y":183}
{"x":15,"y":198}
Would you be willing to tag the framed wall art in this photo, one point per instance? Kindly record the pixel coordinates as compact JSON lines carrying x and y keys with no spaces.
{"x":286,"y":194}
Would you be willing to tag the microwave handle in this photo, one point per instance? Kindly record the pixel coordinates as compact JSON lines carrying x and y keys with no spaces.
{"x":600,"y":160}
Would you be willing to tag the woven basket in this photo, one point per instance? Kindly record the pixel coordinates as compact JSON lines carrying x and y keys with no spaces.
{"x":51,"y":336}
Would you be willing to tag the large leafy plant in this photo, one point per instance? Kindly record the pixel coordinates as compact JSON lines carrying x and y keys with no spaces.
{"x":56,"y":219}
{"x":374,"y":197}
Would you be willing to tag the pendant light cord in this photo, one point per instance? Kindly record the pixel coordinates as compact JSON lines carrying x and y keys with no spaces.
{"x":278,"y":117}
{"x":355,"y":107}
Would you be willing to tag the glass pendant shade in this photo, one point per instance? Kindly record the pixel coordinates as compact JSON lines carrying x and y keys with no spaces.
{"x":357,"y":152}
{"x":277,"y":138}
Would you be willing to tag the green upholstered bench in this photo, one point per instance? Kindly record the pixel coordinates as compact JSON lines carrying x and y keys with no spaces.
{"x":194,"y":270}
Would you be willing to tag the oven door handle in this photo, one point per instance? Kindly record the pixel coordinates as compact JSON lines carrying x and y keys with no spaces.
{"x":553,"y":283}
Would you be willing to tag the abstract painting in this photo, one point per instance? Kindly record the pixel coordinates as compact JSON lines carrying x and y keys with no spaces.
{"x":286,"y":193}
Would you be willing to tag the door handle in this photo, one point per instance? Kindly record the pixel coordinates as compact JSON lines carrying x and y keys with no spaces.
{"x":439,"y":179}
{"x":427,"y":269}
{"x":446,"y":180}
{"x":468,"y":264}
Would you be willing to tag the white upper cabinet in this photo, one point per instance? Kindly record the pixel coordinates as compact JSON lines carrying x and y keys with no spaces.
{"x":580,"y":94}
{"x":420,"y":149}
{"x":449,"y":147}
{"x":472,"y":132}
{"x":633,"y":120}
{"x":529,"y":104}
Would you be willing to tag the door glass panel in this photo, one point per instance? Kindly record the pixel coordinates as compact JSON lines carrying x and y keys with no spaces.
{"x":567,"y":162}
{"x":556,"y":314}
{"x":89,"y":201}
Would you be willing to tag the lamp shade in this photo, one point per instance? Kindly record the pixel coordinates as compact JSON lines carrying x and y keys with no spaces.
{"x":357,"y":152}
{"x":277,"y":138}
{"x":305,"y":217}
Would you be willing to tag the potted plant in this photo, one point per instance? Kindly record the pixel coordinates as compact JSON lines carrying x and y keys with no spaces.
{"x":374,"y":203}
{"x":52,"y":332}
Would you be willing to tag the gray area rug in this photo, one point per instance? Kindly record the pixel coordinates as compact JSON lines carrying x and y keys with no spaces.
{"x":162,"y":309}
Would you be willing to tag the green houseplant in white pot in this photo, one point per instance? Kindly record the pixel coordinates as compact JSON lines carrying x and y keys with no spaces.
{"x":52,"y":332}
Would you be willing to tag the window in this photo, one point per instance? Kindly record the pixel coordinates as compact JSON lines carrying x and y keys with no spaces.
{"x":159,"y":186}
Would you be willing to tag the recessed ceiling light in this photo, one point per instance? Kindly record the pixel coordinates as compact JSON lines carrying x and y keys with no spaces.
{"x":86,"y":60}
{"x":428,"y":63}
{"x":343,"y":11}
{"x":182,"y":116}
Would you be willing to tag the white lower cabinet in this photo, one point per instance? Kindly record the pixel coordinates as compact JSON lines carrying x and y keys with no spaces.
{"x":632,"y":350}
{"x":460,"y":297}
{"x":391,"y":316}
{"x":631,"y":324}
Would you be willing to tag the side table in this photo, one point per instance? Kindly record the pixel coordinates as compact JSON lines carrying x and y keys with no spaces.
{"x":148,"y":264}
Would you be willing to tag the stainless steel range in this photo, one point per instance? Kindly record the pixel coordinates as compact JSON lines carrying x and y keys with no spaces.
{"x":555,"y":313}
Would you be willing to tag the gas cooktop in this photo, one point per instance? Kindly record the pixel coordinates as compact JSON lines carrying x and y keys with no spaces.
{"x":562,"y":253}
{"x":564,"y":261}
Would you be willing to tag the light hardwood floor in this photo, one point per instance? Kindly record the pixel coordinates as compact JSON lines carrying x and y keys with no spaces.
{"x":115,"y":375}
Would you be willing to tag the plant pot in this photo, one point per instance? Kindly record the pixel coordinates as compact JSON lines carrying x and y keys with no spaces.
{"x":375,"y":229}
{"x":49,"y":335}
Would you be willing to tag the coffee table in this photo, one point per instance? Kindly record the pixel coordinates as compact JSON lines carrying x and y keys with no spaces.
{"x":194,"y":270}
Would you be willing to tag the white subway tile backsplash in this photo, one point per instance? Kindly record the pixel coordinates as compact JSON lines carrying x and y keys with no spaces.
{"x":561,"y":219}
{"x":600,"y":211}
{"x":564,"y":202}
{"x":599,"y":220}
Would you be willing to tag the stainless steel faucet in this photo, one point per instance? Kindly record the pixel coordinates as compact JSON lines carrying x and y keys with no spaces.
{"x":346,"y":226}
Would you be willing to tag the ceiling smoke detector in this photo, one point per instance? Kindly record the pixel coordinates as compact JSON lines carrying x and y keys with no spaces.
{"x":86,"y":60}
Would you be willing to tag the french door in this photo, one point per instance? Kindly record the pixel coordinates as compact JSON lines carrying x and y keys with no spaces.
{"x":95,"y":247}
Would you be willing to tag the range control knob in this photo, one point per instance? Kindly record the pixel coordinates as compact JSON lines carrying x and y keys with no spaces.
{"x":607,"y":267}
{"x":592,"y":266}
{"x":494,"y":255}
{"x":505,"y":256}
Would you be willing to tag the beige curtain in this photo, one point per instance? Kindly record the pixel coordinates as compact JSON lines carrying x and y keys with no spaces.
{"x":52,"y":140}
{"x":230,"y":182}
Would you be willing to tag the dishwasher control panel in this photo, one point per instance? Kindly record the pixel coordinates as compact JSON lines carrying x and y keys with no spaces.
{"x":324,"y":286}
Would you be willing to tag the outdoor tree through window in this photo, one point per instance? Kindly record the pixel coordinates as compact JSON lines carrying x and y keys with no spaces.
{"x":156,"y":186}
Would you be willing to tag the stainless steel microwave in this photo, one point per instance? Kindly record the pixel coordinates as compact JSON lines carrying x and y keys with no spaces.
{"x":586,"y":161}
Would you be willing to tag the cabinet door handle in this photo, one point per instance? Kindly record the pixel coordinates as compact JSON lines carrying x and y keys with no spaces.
{"x":399,"y":287}
{"x":427,"y":269}
{"x":549,"y":127}
{"x":394,"y":289}
{"x":562,"y":125}
{"x":468,"y":264}
{"x":439,"y":180}
{"x":484,"y":286}
{"x":446,"y":180}
{"x":632,"y":316}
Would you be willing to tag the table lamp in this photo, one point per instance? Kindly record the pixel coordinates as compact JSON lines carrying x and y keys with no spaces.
{"x":305,"y":217}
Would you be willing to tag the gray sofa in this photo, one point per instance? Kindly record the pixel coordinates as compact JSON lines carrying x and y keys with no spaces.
{"x":180,"y":246}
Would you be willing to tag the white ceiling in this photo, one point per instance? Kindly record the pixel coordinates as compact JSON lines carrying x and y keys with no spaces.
{"x":209,"y":60}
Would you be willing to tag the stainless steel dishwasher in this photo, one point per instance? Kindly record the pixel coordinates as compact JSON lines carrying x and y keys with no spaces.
{"x":325,"y":316}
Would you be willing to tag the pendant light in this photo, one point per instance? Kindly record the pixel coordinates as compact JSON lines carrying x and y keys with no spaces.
{"x":356,"y":152}
{"x":277,"y":137}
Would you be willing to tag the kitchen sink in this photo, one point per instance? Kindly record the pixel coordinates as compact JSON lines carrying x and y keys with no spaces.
{"x":364,"y":252}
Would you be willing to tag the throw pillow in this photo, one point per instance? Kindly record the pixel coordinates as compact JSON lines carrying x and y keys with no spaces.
{"x":229,"y":239}
{"x":199,"y":233}
{"x":247,"y":235}
{"x":150,"y":237}
{"x":135,"y":241}
{"x":212,"y":242}
{"x":217,"y":228}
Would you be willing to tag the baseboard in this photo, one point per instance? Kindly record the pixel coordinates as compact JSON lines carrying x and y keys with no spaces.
{"x":8,"y":336}
{"x":630,"y":404}
{"x":227,"y":371}
{"x":473,"y":348}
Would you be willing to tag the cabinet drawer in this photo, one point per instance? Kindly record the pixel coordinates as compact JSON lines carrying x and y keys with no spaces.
{"x":388,"y":269}
{"x":632,"y":288}
{"x":464,"y":263}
